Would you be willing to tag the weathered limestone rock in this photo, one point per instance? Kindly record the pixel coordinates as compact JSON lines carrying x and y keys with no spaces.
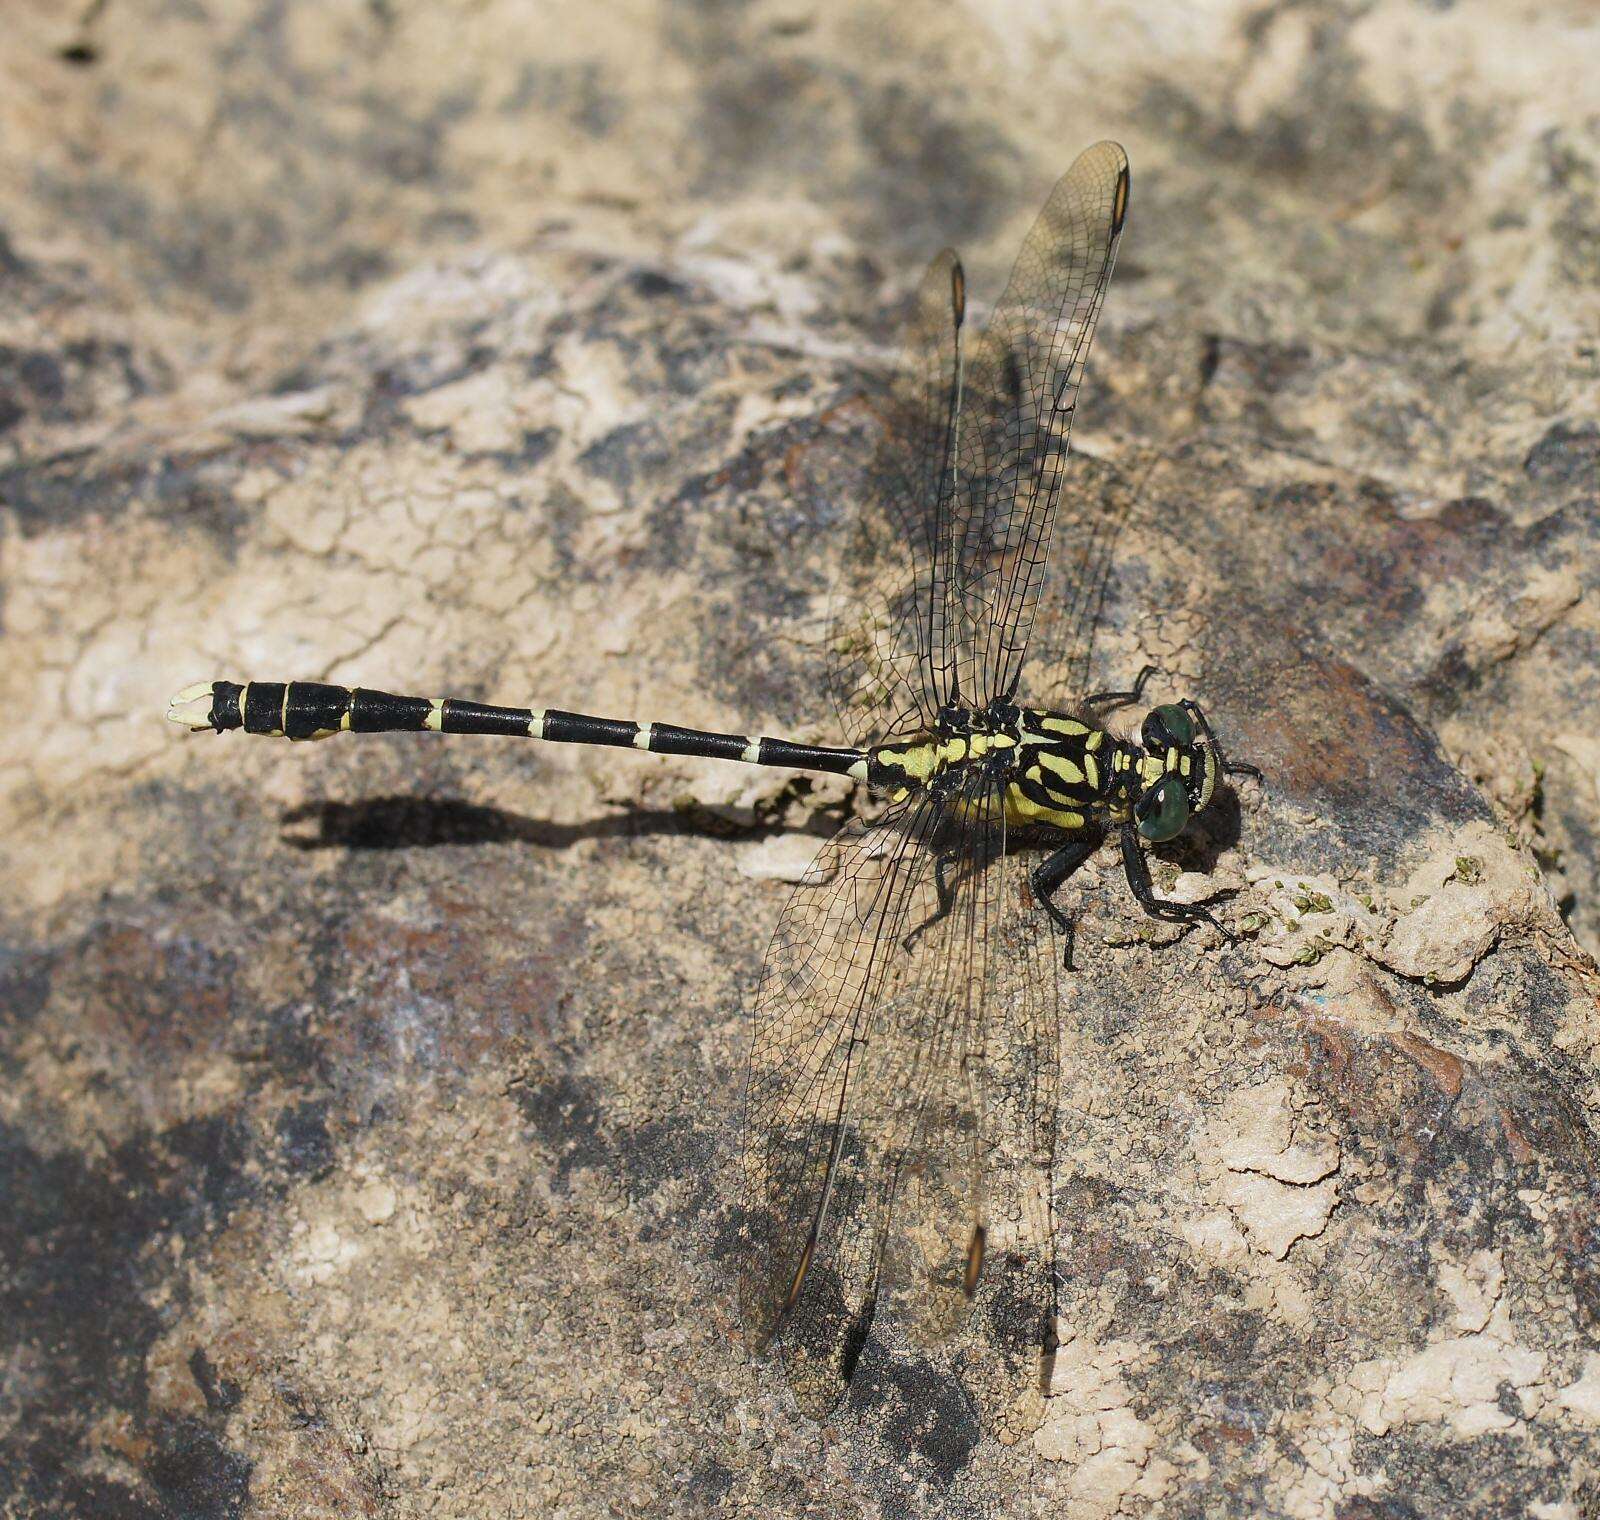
{"x":369,"y":1111}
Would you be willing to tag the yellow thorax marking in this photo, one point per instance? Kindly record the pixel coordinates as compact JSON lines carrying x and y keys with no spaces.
{"x":1063,"y":767}
{"x":978,"y":809}
{"x":1069,"y":726}
{"x":916,"y":760}
{"x":1023,"y":809}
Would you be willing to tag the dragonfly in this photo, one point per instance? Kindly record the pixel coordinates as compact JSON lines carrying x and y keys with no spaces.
{"x":900,"y":1100}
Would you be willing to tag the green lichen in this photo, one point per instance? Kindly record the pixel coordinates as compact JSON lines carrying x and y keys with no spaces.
{"x":1308,"y":901}
{"x":1312,"y":951}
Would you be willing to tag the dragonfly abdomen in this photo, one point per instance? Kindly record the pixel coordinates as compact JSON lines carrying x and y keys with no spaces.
{"x":316,"y":710}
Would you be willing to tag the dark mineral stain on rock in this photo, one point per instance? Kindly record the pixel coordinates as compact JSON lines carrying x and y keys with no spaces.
{"x":576,"y":93}
{"x":667,"y":1150}
{"x":1330,"y":742}
{"x":196,"y":1474}
{"x":567,"y":1118}
{"x":1567,"y":457}
{"x":31,"y":380}
{"x":654,"y":285}
{"x":710,"y":1482}
{"x":56,"y":494}
{"x":918,"y":1412}
{"x":220,"y":1393}
{"x":307,"y":1148}
{"x":537,"y":445}
{"x":71,"y":1293}
{"x":627,"y":453}
{"x":213,"y":1153}
{"x":919,"y":165}
{"x":1377,"y":1509}
{"x":78,"y":1283}
{"x":1325,"y":136}
{"x":25,"y":978}
{"x":351,"y":266}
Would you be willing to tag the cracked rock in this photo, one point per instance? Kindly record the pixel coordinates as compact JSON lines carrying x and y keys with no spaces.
{"x":370,"y":1115}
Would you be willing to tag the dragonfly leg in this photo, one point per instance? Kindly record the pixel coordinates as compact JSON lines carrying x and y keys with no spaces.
{"x":941,"y":864}
{"x":1122,"y":698}
{"x":1137,"y":870}
{"x":1229,"y":767}
{"x":1047,"y":877}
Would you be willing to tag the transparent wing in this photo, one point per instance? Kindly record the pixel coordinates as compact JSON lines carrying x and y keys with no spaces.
{"x":1006,"y":1365}
{"x":943,"y":571}
{"x":862,"y":1110}
{"x":812,"y":1084}
{"x":1096,"y":507}
{"x":1019,"y":392}
{"x":940,"y":1229}
{"x":885,"y":645}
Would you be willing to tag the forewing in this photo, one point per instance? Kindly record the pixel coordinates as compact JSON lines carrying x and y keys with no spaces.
{"x":1098,"y":503}
{"x":887,"y":636}
{"x":1019,"y":391}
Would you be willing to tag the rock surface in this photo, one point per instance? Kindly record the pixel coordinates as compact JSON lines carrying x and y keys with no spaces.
{"x":369,"y":1123}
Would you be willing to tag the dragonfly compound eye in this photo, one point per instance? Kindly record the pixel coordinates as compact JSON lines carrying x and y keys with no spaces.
{"x":1163,"y":810}
{"x":1167,"y":727}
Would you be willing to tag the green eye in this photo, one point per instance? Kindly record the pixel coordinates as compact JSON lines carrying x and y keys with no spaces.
{"x":1163,"y":810}
{"x":1167,"y":726}
{"x":1177,"y":722}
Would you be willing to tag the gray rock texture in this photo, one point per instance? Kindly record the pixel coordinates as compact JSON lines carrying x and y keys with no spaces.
{"x":369,"y":1110}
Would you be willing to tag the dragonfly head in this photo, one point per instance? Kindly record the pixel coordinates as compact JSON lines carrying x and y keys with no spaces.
{"x":1178,"y":771}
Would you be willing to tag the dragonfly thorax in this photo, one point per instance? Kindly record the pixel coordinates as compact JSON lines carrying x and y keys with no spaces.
{"x":1043,"y":768}
{"x":1051,"y":770}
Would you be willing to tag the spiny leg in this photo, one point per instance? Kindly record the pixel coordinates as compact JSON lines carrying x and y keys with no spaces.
{"x":1047,"y":877}
{"x":1122,"y":698}
{"x":942,"y":862}
{"x":1137,"y":870}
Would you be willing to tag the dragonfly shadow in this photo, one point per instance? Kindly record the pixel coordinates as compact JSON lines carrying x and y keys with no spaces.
{"x":409,"y":823}
{"x":1219,"y":828}
{"x":1203,"y":844}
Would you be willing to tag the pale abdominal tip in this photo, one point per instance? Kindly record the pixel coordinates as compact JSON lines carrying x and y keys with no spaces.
{"x":191,"y":707}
